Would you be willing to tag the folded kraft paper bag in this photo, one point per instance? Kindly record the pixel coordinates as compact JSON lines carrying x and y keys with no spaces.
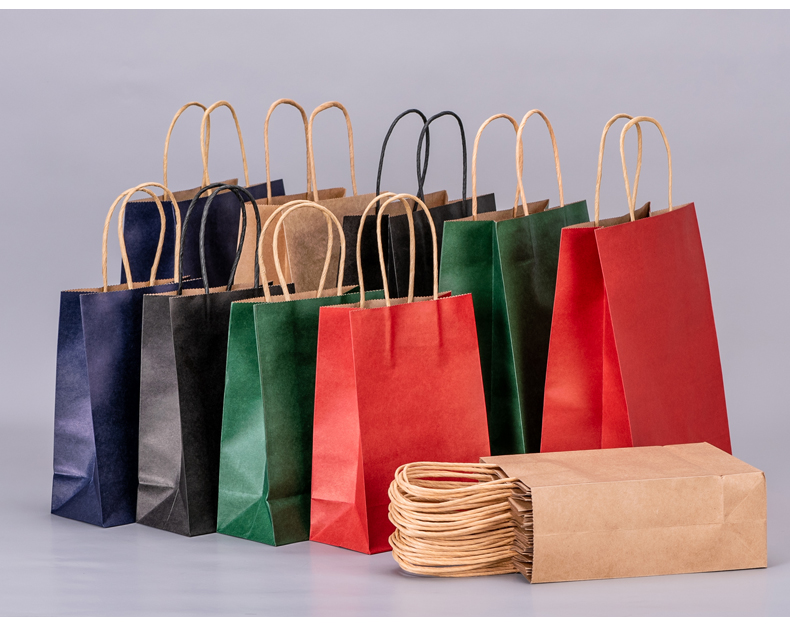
{"x":581,"y":515}
{"x":625,"y":512}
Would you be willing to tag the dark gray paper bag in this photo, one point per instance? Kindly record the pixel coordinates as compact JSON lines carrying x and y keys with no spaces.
{"x":184,"y":345}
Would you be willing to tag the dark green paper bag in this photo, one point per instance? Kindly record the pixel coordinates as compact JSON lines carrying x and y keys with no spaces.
{"x":508,"y":262}
{"x":267,"y":423}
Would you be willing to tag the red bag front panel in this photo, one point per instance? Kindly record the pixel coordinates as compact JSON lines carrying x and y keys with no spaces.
{"x":419,"y":392}
{"x":662,"y":317}
{"x":337,"y":504}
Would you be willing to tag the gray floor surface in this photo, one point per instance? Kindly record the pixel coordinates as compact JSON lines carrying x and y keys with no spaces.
{"x":56,"y":566}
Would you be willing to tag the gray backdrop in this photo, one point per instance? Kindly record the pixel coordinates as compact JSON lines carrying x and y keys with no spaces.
{"x":87,"y":99}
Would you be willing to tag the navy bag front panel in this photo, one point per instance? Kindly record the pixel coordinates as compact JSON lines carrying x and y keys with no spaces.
{"x":142,"y":226}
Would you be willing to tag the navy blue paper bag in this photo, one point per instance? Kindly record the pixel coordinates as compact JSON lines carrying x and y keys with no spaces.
{"x":97,"y":394}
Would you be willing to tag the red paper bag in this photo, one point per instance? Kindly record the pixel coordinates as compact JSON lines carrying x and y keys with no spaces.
{"x":397,"y":381}
{"x":633,"y":355}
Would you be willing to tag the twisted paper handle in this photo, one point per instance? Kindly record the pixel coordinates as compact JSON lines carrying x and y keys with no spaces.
{"x":452,"y":519}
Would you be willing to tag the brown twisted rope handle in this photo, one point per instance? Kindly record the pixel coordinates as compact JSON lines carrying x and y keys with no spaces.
{"x":452,"y":528}
{"x":295,"y":104}
{"x":287,"y":210}
{"x":474,"y":165}
{"x":409,"y":217}
{"x":177,"y":245}
{"x":126,"y":195}
{"x":204,"y":140}
{"x":311,"y":154}
{"x":632,"y":199}
{"x":600,"y":161}
{"x":124,"y":256}
{"x":520,"y":156}
{"x":262,"y":265}
{"x":391,"y":197}
{"x":170,"y":132}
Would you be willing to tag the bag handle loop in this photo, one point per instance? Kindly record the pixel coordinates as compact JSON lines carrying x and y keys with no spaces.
{"x":376,"y":202}
{"x":298,"y":106}
{"x":600,"y":161}
{"x":389,"y":198}
{"x":266,"y":224}
{"x":331,"y":218}
{"x":520,"y":156}
{"x":474,"y":165}
{"x":311,"y":154}
{"x":420,"y":176}
{"x":176,"y":213}
{"x":423,"y":134}
{"x":412,"y":245}
{"x":124,"y":257}
{"x":170,"y":132}
{"x":240,"y":193}
{"x":204,"y":140}
{"x":632,"y":199}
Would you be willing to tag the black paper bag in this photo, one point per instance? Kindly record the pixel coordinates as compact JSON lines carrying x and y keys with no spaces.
{"x":184,"y":346}
{"x":399,"y":226}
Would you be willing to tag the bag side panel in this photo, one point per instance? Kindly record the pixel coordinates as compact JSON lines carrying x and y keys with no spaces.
{"x":615,"y":427}
{"x":572,"y":402}
{"x":75,"y":481}
{"x":242,"y":511}
{"x":161,"y":496}
{"x":469,"y":258}
{"x":529,"y":250}
{"x":337,"y":508}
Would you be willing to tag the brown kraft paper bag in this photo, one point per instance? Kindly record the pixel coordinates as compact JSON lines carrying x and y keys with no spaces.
{"x":644,"y":511}
{"x":268,"y":208}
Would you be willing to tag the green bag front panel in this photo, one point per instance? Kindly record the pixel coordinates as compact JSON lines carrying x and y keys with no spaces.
{"x":242,"y":465}
{"x":287,"y":338}
{"x":529,"y":250}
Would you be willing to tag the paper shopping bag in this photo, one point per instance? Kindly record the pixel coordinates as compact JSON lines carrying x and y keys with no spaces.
{"x":509,"y":264}
{"x":369,"y":244}
{"x":267,"y":423}
{"x":396,"y":381}
{"x":272,"y":203}
{"x":304,"y":232}
{"x":634,"y":358}
{"x":223,"y":226}
{"x":97,"y":390}
{"x":441,"y":213}
{"x":182,"y":379}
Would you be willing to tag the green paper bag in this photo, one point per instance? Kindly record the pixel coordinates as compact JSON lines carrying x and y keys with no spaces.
{"x":508,"y":262}
{"x":267,"y":422}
